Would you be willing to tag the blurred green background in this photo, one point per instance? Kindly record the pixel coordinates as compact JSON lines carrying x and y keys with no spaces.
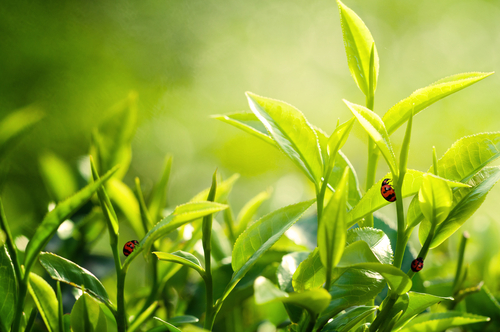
{"x":190,"y":59}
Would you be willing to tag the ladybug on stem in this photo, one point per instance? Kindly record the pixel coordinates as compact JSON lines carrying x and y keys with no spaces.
{"x":417,"y":264}
{"x":129,"y":247}
{"x":387,"y":191}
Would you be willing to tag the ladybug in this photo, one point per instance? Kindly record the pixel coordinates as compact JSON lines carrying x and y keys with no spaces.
{"x":417,"y":264}
{"x":387,"y":191}
{"x":129,"y":247}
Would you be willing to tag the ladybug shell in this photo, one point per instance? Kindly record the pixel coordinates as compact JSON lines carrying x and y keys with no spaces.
{"x":129,"y":247}
{"x":417,"y":264}
{"x":387,"y":191}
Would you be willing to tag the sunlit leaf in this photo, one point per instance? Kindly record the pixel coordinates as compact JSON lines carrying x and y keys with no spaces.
{"x":373,"y":199}
{"x":181,"y":257}
{"x":143,"y":317}
{"x":350,"y":319}
{"x":284,"y":274}
{"x":54,"y":219}
{"x":259,"y":237}
{"x":124,"y":199}
{"x":87,"y":316}
{"x":170,"y":327}
{"x":45,"y":300}
{"x":338,"y":139}
{"x":484,"y":303}
{"x":435,"y":199}
{"x":292,"y":133}
{"x":8,"y":290}
{"x":375,"y":128}
{"x":58,"y":176}
{"x":466,"y":202}
{"x":184,"y":319}
{"x":223,"y":190}
{"x":378,"y":242}
{"x":422,"y":98}
{"x":250,"y":208}
{"x":440,"y":321}
{"x":315,"y":300}
{"x":249,"y":122}
{"x":358,"y":43}
{"x":310,"y":273}
{"x":66,"y":271}
{"x":396,"y":279}
{"x":418,"y":303}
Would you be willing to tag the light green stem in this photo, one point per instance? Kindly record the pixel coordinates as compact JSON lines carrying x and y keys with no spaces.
{"x":425,"y":248}
{"x":461,"y":253}
{"x":401,"y":241}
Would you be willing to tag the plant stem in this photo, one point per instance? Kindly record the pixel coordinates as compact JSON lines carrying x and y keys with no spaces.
{"x":320,"y":196}
{"x":207,"y":252}
{"x":461,"y":253}
{"x":23,"y":289}
{"x":401,"y":241}
{"x":382,"y":316}
{"x":425,"y":248}
{"x":373,"y":155}
{"x":121,"y":318}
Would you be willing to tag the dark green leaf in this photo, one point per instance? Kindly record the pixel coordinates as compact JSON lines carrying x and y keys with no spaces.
{"x":66,"y":271}
{"x":45,"y":300}
{"x":422,"y":98}
{"x":186,"y":319}
{"x":8,"y":290}
{"x":143,"y":317}
{"x":87,"y":316}
{"x":54,"y":219}
{"x":349,"y":320}
{"x":292,"y":133}
{"x":396,"y":279}
{"x":418,"y":303}
{"x":484,"y":303}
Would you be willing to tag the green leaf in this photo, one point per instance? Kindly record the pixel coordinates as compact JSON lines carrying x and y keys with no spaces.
{"x":248,"y":122}
{"x":8,"y":290}
{"x":159,"y":192}
{"x":182,"y":214}
{"x":396,"y":279}
{"x":169,"y":326}
{"x":418,"y":303}
{"x":435,"y":199}
{"x":57,"y":177}
{"x":483,"y":302}
{"x":358,"y":43}
{"x":291,"y":132}
{"x":349,"y":320}
{"x":87,"y":316}
{"x":183,"y":258}
{"x":314,"y":301}
{"x":420,"y":99}
{"x":54,"y":219}
{"x":352,"y":287}
{"x":310,"y":273}
{"x":338,"y":139}
{"x":124,"y":199}
{"x":259,"y":237}
{"x":66,"y":271}
{"x":375,"y":128}
{"x":45,"y":300}
{"x":223,"y":190}
{"x":332,"y":226}
{"x":373,"y":199}
{"x":185,"y":319}
{"x":143,"y":317}
{"x":440,"y":321}
{"x":15,"y":124}
{"x":250,"y":208}
{"x":378,"y":242}
{"x":357,"y":252}
{"x":467,"y":201}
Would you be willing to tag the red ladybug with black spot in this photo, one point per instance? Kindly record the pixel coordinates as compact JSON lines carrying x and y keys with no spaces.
{"x":417,"y":264}
{"x":387,"y":191}
{"x":129,"y":247}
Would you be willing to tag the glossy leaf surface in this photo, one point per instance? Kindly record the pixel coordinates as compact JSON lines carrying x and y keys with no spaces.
{"x":418,"y":303}
{"x":338,"y":139}
{"x":397,"y":280}
{"x":54,"y":219}
{"x":422,"y":98}
{"x":66,"y":271}
{"x":310,"y":273}
{"x":358,"y":42}
{"x":8,"y":290}
{"x":314,"y":301}
{"x":292,"y":133}
{"x":45,"y":300}
{"x":87,"y":316}
{"x":170,"y":327}
{"x":377,"y":241}
{"x":348,"y":320}
{"x":248,"y":122}
{"x":435,"y":199}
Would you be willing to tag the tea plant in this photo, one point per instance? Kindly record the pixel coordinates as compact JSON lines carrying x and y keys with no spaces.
{"x":334,"y":286}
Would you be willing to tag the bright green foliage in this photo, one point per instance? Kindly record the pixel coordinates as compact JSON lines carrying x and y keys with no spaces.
{"x":260,"y":236}
{"x":377,"y":242}
{"x":418,"y":302}
{"x":247,"y":122}
{"x":124,"y":199}
{"x":332,"y":229}
{"x":87,"y":315}
{"x":435,"y":199}
{"x":375,"y":128}
{"x":355,"y":253}
{"x":396,"y":279}
{"x":311,"y":273}
{"x":181,"y":257}
{"x":184,"y":319}
{"x":400,"y":307}
{"x":373,"y":200}
{"x":440,"y":321}
{"x":8,"y":291}
{"x":422,"y":98}
{"x":249,"y":209}
{"x":159,"y":193}
{"x":314,"y":301}
{"x":45,"y":300}
{"x":223,"y":190}
{"x":143,"y":317}
{"x":338,"y":139}
{"x":466,"y":202}
{"x":292,"y":133}
{"x":358,"y":43}
{"x":58,"y":177}
{"x":484,"y":303}
{"x":66,"y":271}
{"x":54,"y":219}
{"x":349,"y":320}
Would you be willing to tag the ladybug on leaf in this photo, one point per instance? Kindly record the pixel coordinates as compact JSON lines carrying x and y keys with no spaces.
{"x":129,"y":247}
{"x":417,"y":264}
{"x":387,"y":191}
